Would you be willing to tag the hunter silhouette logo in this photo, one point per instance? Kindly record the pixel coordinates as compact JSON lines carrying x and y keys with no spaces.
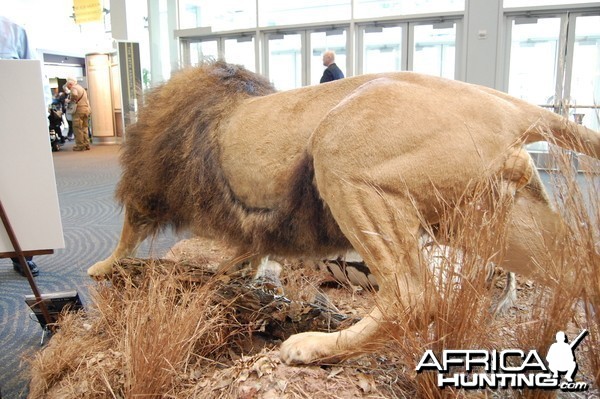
{"x":510,"y":368}
{"x":561,"y":355}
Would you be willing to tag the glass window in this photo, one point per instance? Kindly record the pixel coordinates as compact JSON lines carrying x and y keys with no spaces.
{"x":434,"y":51}
{"x":533,"y":3}
{"x":203,"y":51}
{"x":164,"y":46}
{"x":585,"y":74}
{"x":241,"y":51}
{"x":220,"y":15}
{"x":382,"y":49}
{"x":533,"y":59}
{"x":285,"y":60}
{"x":385,"y":8}
{"x":319,"y":42}
{"x":533,"y":62}
{"x":288,"y":12}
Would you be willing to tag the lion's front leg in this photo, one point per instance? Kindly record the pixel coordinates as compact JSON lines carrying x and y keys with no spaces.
{"x":131,"y":237}
{"x":102,"y":268}
{"x":312,"y":347}
{"x":385,"y":234}
{"x":400,"y":290}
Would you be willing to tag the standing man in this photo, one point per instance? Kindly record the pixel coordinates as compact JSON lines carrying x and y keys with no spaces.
{"x":14,"y":45}
{"x":79,"y":97}
{"x":332,"y":72}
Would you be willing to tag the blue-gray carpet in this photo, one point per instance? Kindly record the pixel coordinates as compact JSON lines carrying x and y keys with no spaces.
{"x":91,"y":223}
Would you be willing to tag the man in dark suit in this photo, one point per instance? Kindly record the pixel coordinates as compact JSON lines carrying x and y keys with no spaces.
{"x":332,"y":72}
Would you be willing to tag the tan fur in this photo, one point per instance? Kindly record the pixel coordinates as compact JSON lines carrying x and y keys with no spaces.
{"x":361,"y":162}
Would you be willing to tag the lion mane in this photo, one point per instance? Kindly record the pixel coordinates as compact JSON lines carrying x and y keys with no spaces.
{"x":172,"y":174}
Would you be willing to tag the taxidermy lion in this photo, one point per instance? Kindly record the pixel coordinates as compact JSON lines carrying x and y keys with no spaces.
{"x":362,"y":163}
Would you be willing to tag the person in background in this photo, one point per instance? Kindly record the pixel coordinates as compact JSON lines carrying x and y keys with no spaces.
{"x":332,"y":72}
{"x":14,"y":45}
{"x":68,"y":115}
{"x":78,"y":95}
{"x":62,"y":98}
{"x":55,"y":118}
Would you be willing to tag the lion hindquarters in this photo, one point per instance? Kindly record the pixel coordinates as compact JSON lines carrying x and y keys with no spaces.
{"x":533,"y":236}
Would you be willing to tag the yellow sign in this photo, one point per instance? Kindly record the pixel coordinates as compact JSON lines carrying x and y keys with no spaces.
{"x":87,"y":11}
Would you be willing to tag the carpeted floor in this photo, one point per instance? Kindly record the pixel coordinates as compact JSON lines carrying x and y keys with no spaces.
{"x":91,"y":223}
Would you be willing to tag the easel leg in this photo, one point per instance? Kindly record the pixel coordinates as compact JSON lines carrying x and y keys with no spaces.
{"x":44,"y":331}
{"x":23,"y":262}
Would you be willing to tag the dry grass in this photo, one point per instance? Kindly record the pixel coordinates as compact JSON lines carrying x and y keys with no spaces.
{"x":162,"y":337}
{"x":580,"y":204}
{"x":136,"y":341}
{"x":461,"y":318}
{"x":457,"y":299}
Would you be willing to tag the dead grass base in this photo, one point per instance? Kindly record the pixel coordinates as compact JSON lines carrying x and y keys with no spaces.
{"x":158,"y":331}
{"x":152,"y":334}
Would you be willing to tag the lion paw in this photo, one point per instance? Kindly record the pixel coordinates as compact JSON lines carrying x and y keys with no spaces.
{"x":101,"y":269}
{"x":308,"y":347}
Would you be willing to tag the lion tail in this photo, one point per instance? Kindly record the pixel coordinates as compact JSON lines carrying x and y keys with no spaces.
{"x":565,"y":133}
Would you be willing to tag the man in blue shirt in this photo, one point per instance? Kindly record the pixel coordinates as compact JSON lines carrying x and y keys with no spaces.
{"x":13,"y":41}
{"x":14,"y":45}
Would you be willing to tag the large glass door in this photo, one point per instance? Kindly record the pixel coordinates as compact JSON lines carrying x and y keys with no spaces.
{"x":240,"y":50}
{"x":203,"y":51}
{"x":320,"y":41}
{"x":434,"y":49}
{"x":284,"y":62}
{"x":582,"y":85}
{"x":534,"y":57}
{"x":295,"y":59}
{"x":423,"y":47}
{"x":383,"y":49}
{"x":554,"y":62}
{"x":235,"y":50}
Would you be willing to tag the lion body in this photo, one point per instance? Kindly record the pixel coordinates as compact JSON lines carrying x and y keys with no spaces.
{"x":358,"y":163}
{"x":226,"y":162}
